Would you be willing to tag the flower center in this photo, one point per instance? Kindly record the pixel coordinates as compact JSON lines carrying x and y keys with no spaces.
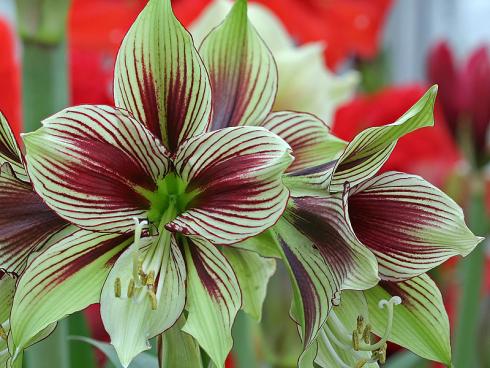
{"x":170,"y":193}
{"x":335,"y":334}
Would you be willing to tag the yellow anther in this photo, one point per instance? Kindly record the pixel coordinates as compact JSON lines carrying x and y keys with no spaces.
{"x":143,"y":277}
{"x":117,"y":287}
{"x":360,"y":324}
{"x":130,"y":292}
{"x":150,"y":280}
{"x":382,"y":354}
{"x":3,"y":333}
{"x":355,"y":340}
{"x":153,"y":299}
{"x":361,"y":363}
{"x":366,"y":335}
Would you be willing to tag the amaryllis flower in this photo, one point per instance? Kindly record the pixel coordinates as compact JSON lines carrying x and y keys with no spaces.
{"x":430,"y":153}
{"x":465,"y":94}
{"x":407,"y":224}
{"x":304,"y":81}
{"x":149,"y":190}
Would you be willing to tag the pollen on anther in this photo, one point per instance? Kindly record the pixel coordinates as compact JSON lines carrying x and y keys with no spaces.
{"x":150,"y":279}
{"x":3,"y":334}
{"x":117,"y":287}
{"x":355,"y":340}
{"x":366,"y":335}
{"x":130,"y":291}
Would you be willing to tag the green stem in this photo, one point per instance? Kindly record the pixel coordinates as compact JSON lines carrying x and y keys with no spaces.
{"x":44,"y":81}
{"x":243,"y":350}
{"x":45,"y":91}
{"x":471,"y":270}
{"x":52,"y":352}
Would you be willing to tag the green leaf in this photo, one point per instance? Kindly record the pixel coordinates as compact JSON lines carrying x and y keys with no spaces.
{"x":253,"y":273}
{"x":143,"y":310}
{"x":143,"y":360}
{"x":420,"y":323}
{"x":370,"y":149}
{"x":179,"y":349}
{"x":81,"y":355}
{"x":242,"y":71}
{"x":213,"y":299}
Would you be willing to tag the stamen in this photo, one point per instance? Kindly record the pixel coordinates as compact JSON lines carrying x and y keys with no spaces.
{"x":366,"y":335}
{"x":355,"y":340}
{"x":153,"y":299}
{"x":3,"y":333}
{"x":360,"y":324}
{"x":117,"y":287}
{"x":150,"y":279}
{"x":382,"y":354}
{"x":137,"y":259}
{"x":130,"y":291}
{"x":361,"y":363}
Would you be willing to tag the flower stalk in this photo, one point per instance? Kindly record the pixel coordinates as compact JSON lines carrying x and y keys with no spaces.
{"x":471,"y":270}
{"x":41,"y":26}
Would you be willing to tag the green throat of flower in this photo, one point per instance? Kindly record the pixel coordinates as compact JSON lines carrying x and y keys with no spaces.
{"x":170,"y":199}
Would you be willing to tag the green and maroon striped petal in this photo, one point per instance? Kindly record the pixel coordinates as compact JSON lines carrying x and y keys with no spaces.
{"x":370,"y":149}
{"x":160,"y":78}
{"x":410,"y":225}
{"x":308,"y":136}
{"x":26,"y":223}
{"x":235,"y":176}
{"x":324,"y":257}
{"x":92,"y":164}
{"x":65,"y":278}
{"x":147,"y":305}
{"x":7,"y":289}
{"x":420,"y":323}
{"x":242,"y":71}
{"x":213,"y":299}
{"x":9,"y":150}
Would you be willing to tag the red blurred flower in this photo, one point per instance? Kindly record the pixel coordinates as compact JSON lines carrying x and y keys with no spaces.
{"x":348,"y":27}
{"x":10,"y":96}
{"x":464,"y":92}
{"x":429,"y":152}
{"x":96,"y":29}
